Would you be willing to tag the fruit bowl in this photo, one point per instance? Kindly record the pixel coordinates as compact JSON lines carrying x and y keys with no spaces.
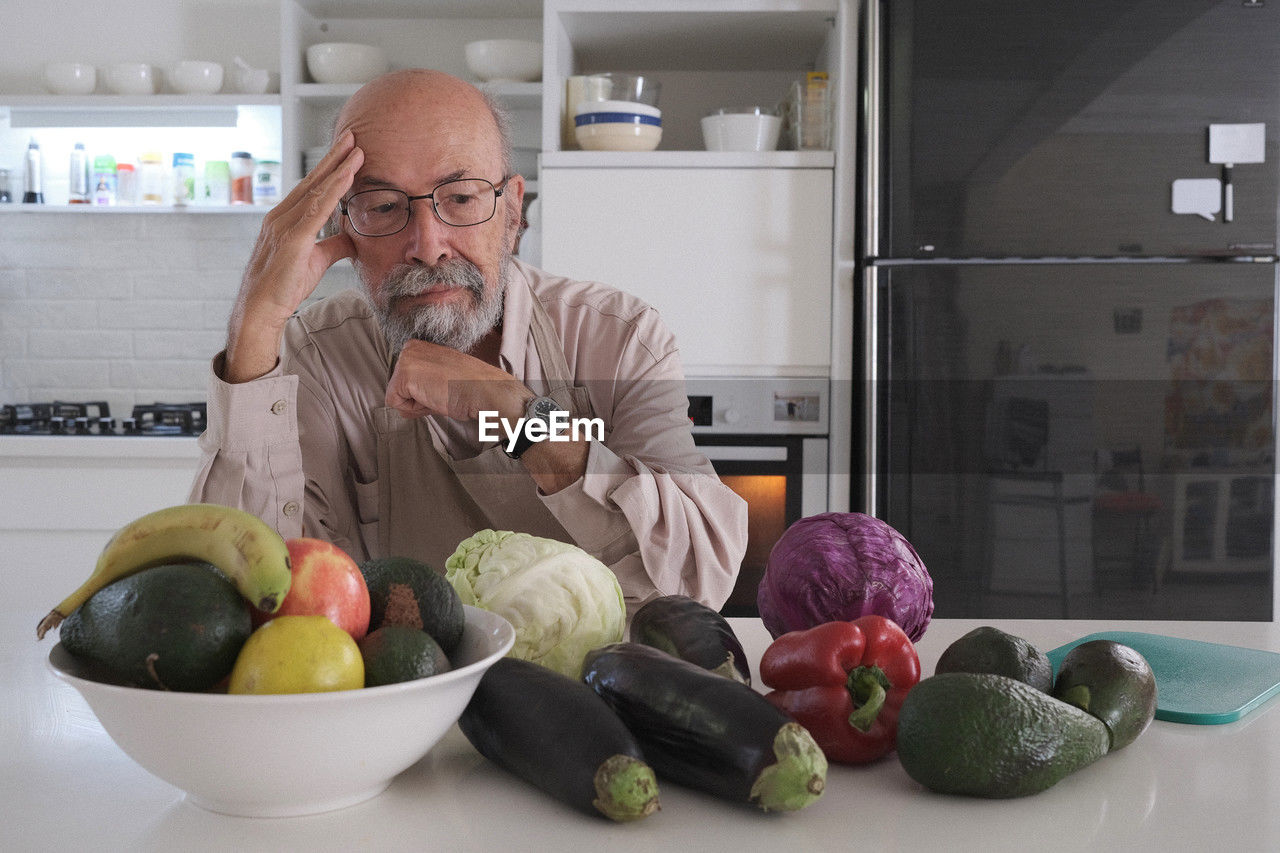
{"x":285,"y":755}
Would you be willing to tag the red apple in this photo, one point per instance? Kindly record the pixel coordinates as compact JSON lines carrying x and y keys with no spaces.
{"x":326,"y":582}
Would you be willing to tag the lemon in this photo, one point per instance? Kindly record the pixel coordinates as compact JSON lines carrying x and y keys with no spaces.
{"x":297,"y":654}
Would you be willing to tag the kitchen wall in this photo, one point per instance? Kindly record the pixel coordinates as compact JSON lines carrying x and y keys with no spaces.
{"x":126,"y":307}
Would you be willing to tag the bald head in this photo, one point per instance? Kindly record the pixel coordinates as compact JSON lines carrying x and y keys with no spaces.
{"x":424,"y":101}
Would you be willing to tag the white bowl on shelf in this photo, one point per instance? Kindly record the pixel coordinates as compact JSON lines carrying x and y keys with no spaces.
{"x":195,"y":77}
{"x":750,"y":129}
{"x":289,"y":754}
{"x":340,"y":62}
{"x":131,"y":78}
{"x":505,"y":60}
{"x":70,"y":78}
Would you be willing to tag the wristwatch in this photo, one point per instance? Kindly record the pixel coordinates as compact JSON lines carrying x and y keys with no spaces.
{"x":538,"y":409}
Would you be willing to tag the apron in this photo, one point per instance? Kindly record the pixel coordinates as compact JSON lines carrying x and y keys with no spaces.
{"x":428,"y":501}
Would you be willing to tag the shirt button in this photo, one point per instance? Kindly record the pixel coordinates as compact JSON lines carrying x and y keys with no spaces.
{"x":291,"y":508}
{"x":278,"y":407}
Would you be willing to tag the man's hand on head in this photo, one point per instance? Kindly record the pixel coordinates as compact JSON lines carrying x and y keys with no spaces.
{"x":288,"y":262}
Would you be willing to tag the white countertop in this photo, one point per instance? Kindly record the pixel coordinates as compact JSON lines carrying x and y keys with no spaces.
{"x":113,"y":447}
{"x":1178,"y":787}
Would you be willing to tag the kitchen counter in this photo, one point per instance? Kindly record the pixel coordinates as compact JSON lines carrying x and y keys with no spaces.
{"x":64,"y":783}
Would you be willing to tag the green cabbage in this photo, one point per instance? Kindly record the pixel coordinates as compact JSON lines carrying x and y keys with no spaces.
{"x":562,"y":601}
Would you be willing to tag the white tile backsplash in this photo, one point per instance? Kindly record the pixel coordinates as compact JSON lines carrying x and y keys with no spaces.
{"x":123,"y":307}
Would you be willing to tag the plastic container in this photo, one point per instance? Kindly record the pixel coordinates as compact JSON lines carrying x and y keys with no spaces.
{"x":78,"y":176}
{"x":184,"y":179}
{"x":104,"y":180}
{"x":126,"y":184}
{"x":241,"y":177}
{"x":266,"y":182}
{"x":151,"y":178}
{"x":217,"y":183}
{"x":6,"y":194}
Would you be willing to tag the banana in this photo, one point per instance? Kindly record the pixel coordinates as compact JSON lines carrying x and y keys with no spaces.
{"x":244,"y":547}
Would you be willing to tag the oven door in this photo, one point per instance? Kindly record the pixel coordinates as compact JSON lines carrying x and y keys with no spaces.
{"x":783,"y":479}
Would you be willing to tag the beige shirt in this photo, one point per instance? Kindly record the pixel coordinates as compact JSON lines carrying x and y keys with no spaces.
{"x":312,"y":447}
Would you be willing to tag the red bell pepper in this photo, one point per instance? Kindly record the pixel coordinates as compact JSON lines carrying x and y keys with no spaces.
{"x":844,"y":682}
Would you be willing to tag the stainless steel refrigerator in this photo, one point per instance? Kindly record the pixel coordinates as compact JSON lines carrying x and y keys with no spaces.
{"x":1068,"y":281}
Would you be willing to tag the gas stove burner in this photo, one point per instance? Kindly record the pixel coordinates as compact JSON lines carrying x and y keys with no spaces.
{"x":94,"y":418}
{"x":170,"y":418}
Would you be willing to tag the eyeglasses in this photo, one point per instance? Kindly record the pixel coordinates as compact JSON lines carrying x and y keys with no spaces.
{"x":461,"y":203}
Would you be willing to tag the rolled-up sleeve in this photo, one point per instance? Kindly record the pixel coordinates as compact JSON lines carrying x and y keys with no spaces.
{"x":649,"y":504}
{"x":250,"y":456}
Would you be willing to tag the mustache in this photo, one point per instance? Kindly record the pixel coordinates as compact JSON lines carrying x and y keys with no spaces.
{"x":405,"y":280}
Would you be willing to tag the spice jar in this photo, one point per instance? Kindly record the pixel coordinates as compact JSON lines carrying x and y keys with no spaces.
{"x":241,"y":177}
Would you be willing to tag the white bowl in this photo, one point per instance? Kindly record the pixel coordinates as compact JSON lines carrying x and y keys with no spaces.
{"x":744,"y":131}
{"x":618,"y":136}
{"x":345,"y":62}
{"x":302,"y":753}
{"x":194,"y":77}
{"x":131,"y":78}
{"x":505,"y":60}
{"x":70,"y":78}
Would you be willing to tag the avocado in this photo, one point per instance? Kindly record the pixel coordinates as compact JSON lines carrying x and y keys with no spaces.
{"x":395,"y":653}
{"x":988,"y":735}
{"x":1113,"y":683}
{"x":988,"y":649}
{"x":170,"y":627}
{"x":405,"y":591}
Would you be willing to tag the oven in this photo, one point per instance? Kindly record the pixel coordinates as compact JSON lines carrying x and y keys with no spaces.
{"x":767,"y":439}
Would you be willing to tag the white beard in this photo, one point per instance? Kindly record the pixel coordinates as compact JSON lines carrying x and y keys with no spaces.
{"x":457,"y":326}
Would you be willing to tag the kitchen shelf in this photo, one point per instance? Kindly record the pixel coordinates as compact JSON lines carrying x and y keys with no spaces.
{"x":514,"y":95}
{"x":164,"y":110}
{"x":166,"y":209}
{"x":688,"y":159}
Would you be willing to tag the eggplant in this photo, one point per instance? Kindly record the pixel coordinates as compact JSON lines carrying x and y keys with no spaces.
{"x":686,"y":628}
{"x":553,"y":732}
{"x":706,"y":731}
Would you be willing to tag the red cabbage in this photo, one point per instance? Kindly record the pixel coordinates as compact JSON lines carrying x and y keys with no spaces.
{"x":837,"y":566}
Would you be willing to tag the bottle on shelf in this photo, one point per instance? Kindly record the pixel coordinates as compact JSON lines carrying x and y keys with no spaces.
{"x":151,"y":178}
{"x":6,"y":195}
{"x":126,"y":184}
{"x":241,"y":177}
{"x":104,"y":180}
{"x":184,"y":179}
{"x":33,"y":174}
{"x":78,"y":178}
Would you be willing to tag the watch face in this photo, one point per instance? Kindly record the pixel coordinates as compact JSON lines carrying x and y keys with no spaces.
{"x":542,"y":408}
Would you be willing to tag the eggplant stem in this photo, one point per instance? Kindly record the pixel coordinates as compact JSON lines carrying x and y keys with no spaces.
{"x":799,"y":775}
{"x":867,"y":685}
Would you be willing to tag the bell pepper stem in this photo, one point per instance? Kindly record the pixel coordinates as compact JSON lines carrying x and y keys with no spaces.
{"x":867,"y":685}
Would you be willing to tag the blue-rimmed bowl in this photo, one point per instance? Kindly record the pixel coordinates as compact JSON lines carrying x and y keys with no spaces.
{"x":617,"y":126}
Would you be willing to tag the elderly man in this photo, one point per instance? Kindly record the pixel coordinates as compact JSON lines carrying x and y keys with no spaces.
{"x":400,"y":418}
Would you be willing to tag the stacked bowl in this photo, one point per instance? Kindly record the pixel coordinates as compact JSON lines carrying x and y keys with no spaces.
{"x":619,"y":112}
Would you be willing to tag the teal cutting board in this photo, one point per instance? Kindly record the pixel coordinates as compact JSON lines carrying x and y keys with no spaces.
{"x":1197,"y":682}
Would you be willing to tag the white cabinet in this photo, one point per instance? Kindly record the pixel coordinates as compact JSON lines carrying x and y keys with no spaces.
{"x":736,"y":250}
{"x":430,"y":34}
{"x":737,"y":261}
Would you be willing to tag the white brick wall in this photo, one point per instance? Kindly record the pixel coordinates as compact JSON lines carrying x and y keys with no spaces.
{"x":122,"y":307}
